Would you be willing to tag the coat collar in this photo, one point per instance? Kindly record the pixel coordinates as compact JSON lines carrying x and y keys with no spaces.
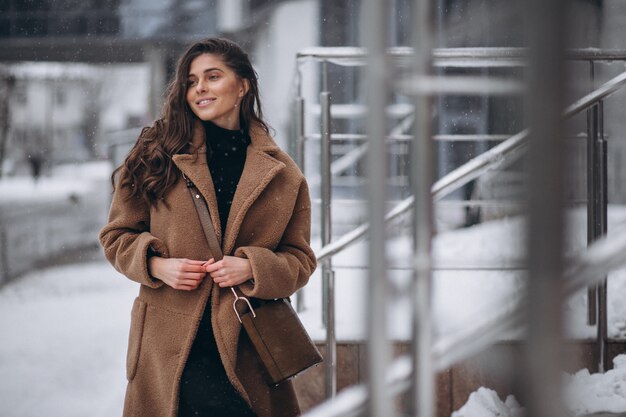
{"x":260,"y":168}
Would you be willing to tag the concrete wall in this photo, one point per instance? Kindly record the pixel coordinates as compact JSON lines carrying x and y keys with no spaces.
{"x":37,"y":233}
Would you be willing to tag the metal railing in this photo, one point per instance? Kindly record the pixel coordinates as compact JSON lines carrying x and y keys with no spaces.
{"x":497,"y":157}
{"x":589,"y":267}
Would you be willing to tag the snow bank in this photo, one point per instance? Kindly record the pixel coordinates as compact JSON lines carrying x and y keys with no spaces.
{"x":584,"y":394}
{"x":587,"y":393}
{"x":486,"y":403}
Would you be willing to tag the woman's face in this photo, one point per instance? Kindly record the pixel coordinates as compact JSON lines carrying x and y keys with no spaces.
{"x":214,"y":91}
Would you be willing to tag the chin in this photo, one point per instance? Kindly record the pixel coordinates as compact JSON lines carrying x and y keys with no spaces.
{"x":205,"y":117}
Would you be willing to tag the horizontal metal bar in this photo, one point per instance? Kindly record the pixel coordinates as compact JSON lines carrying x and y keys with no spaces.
{"x":359,"y":137}
{"x":470,"y":138}
{"x":489,"y":160}
{"x":407,"y":138}
{"x":456,"y":57}
{"x":353,"y":111}
{"x":445,"y":267}
{"x":451,"y":85}
{"x":470,"y":203}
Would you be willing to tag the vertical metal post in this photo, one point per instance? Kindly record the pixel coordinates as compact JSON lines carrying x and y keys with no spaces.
{"x":299,"y":156}
{"x":375,"y":21}
{"x":546,"y":29}
{"x":423,"y":378}
{"x":300,"y":139}
{"x":601,"y":230}
{"x":597,"y":219}
{"x":327,"y":272}
{"x":592,"y":134}
{"x":4,"y":259}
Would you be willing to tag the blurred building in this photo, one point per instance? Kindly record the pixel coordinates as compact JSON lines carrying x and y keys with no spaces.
{"x":59,"y":112}
{"x":49,"y":122}
{"x":152,"y":33}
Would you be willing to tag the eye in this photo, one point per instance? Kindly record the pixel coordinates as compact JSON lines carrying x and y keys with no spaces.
{"x":191,"y":82}
{"x":213,"y":77}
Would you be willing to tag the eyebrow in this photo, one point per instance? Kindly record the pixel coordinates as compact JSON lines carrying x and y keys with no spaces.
{"x":206,"y":70}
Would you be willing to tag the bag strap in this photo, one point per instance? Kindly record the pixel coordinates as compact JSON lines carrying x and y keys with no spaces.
{"x":205,"y":219}
{"x":211,"y":237}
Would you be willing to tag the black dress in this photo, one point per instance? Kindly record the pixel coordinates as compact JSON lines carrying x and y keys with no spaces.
{"x":205,"y":390}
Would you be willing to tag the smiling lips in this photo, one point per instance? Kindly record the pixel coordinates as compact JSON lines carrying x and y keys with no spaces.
{"x":205,"y":101}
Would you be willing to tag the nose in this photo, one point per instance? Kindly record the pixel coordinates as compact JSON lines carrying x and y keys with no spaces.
{"x":201,"y":86}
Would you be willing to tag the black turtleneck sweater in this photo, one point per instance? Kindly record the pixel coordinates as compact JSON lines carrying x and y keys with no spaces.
{"x":226,"y":156}
{"x":204,"y":388}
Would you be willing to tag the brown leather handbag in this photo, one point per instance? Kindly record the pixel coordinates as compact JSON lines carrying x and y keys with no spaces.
{"x":281,"y":341}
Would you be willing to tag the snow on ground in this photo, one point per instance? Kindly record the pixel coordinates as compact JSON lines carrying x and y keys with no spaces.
{"x":485,"y":403}
{"x":584,"y":394}
{"x":64,"y":334}
{"x":63,"y":182}
{"x":459,"y":295}
{"x":591,"y":393}
{"x":65,"y":329}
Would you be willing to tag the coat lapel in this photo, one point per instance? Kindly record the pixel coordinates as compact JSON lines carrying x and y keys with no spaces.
{"x":195,"y":167}
{"x":260,"y":168}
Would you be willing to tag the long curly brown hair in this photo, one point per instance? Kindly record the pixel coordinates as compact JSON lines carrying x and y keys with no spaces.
{"x":148,"y":169}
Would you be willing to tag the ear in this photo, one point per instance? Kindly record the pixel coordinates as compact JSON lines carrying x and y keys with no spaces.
{"x":245,"y":87}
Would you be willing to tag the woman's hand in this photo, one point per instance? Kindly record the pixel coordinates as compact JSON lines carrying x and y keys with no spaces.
{"x":230,"y":271}
{"x":178,"y":273}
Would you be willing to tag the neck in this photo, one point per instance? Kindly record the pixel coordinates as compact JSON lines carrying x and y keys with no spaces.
{"x":228,"y":125}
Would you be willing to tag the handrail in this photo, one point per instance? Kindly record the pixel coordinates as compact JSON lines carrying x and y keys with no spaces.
{"x":587,"y":268}
{"x":407,"y":138}
{"x":345,"y":161}
{"x":465,"y":57}
{"x":491,"y":159}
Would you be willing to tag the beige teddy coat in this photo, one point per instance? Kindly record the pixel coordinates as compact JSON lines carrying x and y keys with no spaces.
{"x":269,"y":224}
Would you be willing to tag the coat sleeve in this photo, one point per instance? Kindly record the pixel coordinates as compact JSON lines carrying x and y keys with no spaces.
{"x":126,"y":238}
{"x":281,"y":272}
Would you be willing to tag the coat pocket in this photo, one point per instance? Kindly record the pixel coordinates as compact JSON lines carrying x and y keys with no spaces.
{"x":137,"y":319}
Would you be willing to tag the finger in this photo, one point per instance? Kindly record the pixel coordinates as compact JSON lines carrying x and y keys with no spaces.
{"x":220,"y":278}
{"x":187,"y":281}
{"x":213,"y":267}
{"x":193,"y":261}
{"x":194,"y":269}
{"x":209,"y":262}
{"x":184,"y":286}
{"x":193,"y":276}
{"x":189,"y":284}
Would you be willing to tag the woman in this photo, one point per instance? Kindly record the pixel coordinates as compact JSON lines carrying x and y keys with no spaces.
{"x":187,"y":354}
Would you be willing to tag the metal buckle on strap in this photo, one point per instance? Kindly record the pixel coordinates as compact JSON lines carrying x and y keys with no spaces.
{"x":187,"y":181}
{"x":238,"y":298}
